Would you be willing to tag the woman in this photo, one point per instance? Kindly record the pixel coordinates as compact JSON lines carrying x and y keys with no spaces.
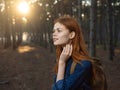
{"x":70,"y":47}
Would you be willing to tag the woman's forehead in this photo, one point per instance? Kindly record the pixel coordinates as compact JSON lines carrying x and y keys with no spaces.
{"x":59,"y":25}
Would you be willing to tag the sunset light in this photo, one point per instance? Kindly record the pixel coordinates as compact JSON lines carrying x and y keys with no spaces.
{"x":23,"y":7}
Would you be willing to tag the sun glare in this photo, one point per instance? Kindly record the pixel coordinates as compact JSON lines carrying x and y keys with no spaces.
{"x":25,"y":36}
{"x":23,"y":7}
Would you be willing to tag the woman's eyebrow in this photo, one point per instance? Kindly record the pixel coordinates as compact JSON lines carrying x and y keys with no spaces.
{"x":57,"y":28}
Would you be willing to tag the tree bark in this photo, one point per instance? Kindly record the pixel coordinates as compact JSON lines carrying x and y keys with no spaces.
{"x":6,"y":27}
{"x":92,"y":35}
{"x":110,"y":29}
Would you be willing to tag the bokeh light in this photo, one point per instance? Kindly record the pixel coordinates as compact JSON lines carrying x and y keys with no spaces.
{"x":23,"y":7}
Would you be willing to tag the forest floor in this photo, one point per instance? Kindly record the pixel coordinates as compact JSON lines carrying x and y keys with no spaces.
{"x":30,"y":68}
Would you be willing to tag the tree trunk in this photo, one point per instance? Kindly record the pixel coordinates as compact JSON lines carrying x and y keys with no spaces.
{"x":6,"y":28}
{"x":110,"y":29}
{"x":80,"y":11}
{"x":92,"y":41}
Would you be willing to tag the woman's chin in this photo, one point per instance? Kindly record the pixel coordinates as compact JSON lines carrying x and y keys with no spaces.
{"x":60,"y":44}
{"x":57,"y":44}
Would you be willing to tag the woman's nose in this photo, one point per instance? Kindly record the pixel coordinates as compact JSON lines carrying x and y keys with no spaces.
{"x":54,"y":34}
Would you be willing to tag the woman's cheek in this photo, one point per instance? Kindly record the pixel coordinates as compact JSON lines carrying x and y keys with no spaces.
{"x":63,"y":40}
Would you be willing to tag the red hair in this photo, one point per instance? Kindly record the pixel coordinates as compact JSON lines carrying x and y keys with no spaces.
{"x":79,"y":47}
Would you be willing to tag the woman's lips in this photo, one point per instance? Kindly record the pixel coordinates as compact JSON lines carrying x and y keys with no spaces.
{"x":55,"y":39}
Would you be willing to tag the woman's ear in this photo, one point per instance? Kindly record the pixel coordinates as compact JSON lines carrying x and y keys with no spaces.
{"x":72,"y":35}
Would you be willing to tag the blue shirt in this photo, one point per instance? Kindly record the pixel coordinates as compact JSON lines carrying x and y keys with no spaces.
{"x":79,"y":79}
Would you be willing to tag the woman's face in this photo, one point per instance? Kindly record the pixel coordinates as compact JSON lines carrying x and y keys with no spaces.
{"x":60,"y":34}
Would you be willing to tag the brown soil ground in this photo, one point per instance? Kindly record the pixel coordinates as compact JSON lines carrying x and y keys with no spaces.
{"x":30,"y":68}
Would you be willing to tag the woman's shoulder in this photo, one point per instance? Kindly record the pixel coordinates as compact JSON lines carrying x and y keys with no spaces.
{"x":85,"y":63}
{"x":83,"y":66}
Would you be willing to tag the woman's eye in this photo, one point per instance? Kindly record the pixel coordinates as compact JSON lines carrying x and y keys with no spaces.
{"x":59,"y":30}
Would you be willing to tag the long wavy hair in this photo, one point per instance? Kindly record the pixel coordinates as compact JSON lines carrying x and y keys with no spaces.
{"x":79,"y":47}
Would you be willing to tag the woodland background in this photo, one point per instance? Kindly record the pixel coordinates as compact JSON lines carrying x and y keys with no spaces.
{"x":27,"y":54}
